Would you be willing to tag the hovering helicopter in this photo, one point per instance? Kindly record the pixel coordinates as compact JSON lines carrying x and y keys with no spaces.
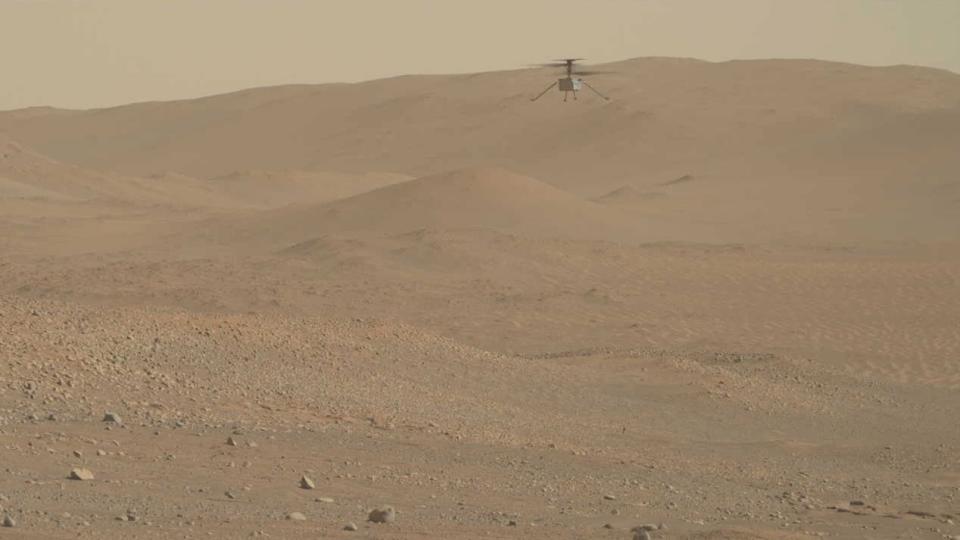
{"x":573,"y":82}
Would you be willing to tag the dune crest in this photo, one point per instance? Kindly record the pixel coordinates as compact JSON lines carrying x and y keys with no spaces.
{"x":629,"y":195}
{"x":267,"y":189}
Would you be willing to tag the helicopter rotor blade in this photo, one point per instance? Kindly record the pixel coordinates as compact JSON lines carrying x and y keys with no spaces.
{"x":593,"y":72}
{"x":562,"y":62}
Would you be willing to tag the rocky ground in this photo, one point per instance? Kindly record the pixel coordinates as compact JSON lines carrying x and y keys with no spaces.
{"x":194,"y":424}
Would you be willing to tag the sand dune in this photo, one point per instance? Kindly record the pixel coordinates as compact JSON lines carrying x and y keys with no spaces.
{"x":478,"y":198}
{"x":265,"y":189}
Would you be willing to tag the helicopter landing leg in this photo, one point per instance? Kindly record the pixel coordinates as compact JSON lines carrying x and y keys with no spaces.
{"x":595,"y":91}
{"x":549,"y":88}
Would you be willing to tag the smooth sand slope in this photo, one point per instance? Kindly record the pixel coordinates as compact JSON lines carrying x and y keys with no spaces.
{"x":27,"y":174}
{"x":270,"y":189}
{"x":477,"y":198}
{"x":725,"y":302}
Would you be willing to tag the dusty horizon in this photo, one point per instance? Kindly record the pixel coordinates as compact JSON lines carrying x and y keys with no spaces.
{"x":169,"y":51}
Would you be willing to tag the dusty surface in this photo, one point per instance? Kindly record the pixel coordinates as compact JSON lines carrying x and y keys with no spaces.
{"x":727,"y":302}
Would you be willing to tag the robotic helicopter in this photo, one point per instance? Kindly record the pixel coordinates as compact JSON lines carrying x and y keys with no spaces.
{"x":573,"y":82}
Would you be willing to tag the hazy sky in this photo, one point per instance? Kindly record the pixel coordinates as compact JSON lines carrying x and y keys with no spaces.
{"x":86,"y":53}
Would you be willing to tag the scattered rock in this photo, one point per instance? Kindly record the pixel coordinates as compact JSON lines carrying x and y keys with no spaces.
{"x":113,"y":418}
{"x":101,"y":453}
{"x":231,"y":441}
{"x":351,"y":527}
{"x":609,"y":497}
{"x":307,"y":483}
{"x":81,"y":474}
{"x":382,"y":515}
{"x":642,"y":532}
{"x":327,"y":500}
{"x":9,"y":522}
{"x":512,"y":523}
{"x":77,"y":453}
{"x":296,"y":516}
{"x":920,"y":513}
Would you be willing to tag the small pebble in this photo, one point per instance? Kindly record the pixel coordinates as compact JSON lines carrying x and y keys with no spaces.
{"x":81,"y":474}
{"x":382,"y":515}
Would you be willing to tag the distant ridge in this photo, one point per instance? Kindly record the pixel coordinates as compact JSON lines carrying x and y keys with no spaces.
{"x":665,"y":112}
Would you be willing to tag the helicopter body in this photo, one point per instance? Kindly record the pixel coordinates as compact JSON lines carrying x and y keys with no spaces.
{"x":570,"y":84}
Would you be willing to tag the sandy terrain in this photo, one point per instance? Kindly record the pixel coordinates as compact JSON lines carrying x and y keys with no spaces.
{"x":724,"y":304}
